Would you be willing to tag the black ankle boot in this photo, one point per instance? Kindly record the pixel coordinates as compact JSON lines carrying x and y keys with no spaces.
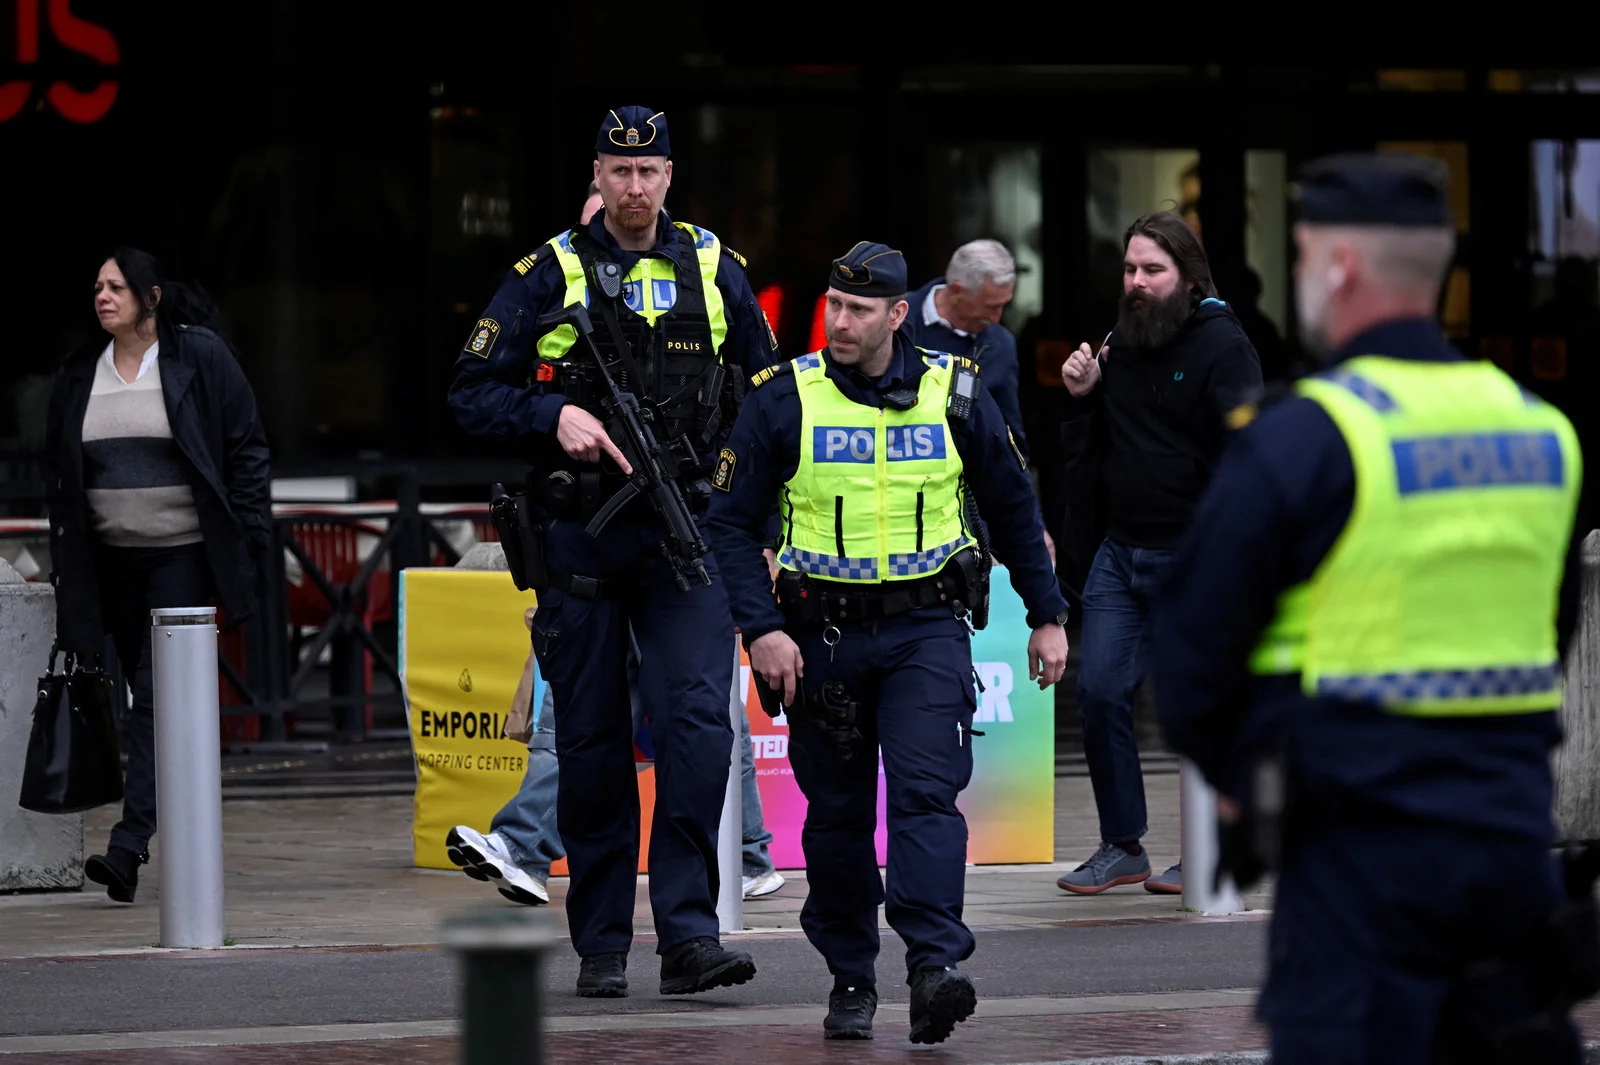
{"x":118,"y":870}
{"x":850,"y":1012}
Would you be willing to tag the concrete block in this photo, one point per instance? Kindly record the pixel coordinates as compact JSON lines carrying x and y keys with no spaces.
{"x":484,"y":556}
{"x":36,"y":850}
{"x":1577,"y":760}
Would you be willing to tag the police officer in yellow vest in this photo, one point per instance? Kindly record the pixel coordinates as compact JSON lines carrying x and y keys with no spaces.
{"x":868,"y":447}
{"x":674,"y":317}
{"x":1375,"y":596}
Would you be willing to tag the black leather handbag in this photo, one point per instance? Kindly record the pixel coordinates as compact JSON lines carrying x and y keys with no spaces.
{"x":74,"y":762}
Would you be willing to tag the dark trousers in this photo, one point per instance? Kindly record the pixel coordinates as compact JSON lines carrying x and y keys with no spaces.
{"x":686,"y":664}
{"x":1375,"y":921}
{"x":133,"y":581}
{"x":912,"y":676}
{"x":1114,"y":658}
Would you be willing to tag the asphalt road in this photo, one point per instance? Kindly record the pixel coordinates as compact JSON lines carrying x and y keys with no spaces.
{"x":263,"y":988}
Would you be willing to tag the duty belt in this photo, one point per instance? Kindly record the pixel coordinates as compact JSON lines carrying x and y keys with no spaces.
{"x":810,"y":600}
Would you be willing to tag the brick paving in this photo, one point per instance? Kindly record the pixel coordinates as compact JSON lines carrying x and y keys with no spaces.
{"x":1001,"y":1041}
{"x":338,"y":871}
{"x":998,"y":1041}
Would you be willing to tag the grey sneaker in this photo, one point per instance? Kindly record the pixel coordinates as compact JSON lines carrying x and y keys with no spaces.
{"x":1110,"y":867}
{"x":1168,"y":883}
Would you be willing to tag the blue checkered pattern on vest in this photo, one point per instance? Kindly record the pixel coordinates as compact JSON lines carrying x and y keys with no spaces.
{"x":808,"y":362}
{"x":1362,"y":389}
{"x":820,"y":565}
{"x":1385,"y":688}
{"x":918,"y":562}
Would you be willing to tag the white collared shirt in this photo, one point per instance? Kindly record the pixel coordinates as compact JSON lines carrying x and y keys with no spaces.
{"x":144,"y":365}
{"x":931,"y":316}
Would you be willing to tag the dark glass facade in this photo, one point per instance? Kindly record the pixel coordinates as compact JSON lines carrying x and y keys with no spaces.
{"x":352,"y":184}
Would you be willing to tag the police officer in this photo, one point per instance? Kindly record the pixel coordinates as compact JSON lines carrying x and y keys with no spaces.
{"x":1368,"y":597}
{"x":869,"y":442}
{"x":682,"y":331}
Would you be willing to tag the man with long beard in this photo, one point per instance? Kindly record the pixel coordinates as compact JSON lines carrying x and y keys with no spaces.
{"x":1154,"y":402}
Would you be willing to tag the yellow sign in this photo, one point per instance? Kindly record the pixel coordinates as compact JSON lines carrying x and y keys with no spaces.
{"x":463,"y":643}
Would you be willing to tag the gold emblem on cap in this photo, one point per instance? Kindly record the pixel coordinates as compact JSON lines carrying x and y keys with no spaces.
{"x":845,"y":270}
{"x":630,"y":135}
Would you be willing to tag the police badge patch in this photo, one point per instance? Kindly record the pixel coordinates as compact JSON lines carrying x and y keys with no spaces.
{"x":481,"y":341}
{"x":723,"y":478}
{"x":772,"y":338}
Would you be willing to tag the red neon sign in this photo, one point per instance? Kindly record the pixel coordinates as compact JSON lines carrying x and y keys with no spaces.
{"x":76,"y":35}
{"x":771,"y":300}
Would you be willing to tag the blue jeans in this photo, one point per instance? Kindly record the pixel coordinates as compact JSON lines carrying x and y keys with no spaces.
{"x":528,"y":822}
{"x":1115,"y":656}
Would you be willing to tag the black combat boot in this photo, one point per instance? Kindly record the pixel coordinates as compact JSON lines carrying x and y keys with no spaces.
{"x":603,"y":976}
{"x":118,"y":870}
{"x":941,"y":998}
{"x":701,"y":964}
{"x":850,"y":1012}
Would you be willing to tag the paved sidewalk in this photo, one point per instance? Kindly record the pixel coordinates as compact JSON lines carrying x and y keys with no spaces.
{"x":332,"y":872}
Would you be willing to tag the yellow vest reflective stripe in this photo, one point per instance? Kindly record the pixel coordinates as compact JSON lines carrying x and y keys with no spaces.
{"x":649,"y":289}
{"x":1439,"y":597}
{"x":877,"y":494}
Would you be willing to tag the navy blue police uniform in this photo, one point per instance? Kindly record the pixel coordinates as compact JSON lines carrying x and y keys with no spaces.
{"x":692,"y":349}
{"x":911,"y":674}
{"x":1412,"y":843}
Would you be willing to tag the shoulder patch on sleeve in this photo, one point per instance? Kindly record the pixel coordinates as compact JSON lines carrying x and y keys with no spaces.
{"x":1242,"y":415}
{"x":524,"y":264}
{"x":781,"y":370}
{"x":723,"y":478}
{"x":1011,"y":438}
{"x":772,"y":338}
{"x":736,"y":257}
{"x":480,"y":341}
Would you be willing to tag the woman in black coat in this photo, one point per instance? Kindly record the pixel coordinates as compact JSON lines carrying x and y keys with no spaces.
{"x":159,"y":497}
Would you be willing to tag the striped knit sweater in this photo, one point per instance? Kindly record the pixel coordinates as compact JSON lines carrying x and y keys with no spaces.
{"x":136,"y":480}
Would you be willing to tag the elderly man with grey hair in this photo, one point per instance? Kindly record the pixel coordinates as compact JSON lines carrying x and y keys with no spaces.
{"x":960,"y":313}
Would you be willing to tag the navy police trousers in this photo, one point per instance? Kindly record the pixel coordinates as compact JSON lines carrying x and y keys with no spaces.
{"x":912,"y":676}
{"x":685,"y":642}
{"x":1375,"y":921}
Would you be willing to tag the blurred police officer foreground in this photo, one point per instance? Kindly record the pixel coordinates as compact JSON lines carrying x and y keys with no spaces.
{"x":1361,"y":647}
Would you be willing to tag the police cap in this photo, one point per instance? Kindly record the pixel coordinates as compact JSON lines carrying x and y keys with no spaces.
{"x":869,"y":270}
{"x":633,"y":130}
{"x":1388,"y":189}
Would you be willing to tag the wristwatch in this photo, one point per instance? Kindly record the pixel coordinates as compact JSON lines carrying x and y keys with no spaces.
{"x":1061,"y":618}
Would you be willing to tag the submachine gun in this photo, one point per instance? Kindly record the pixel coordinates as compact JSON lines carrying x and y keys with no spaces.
{"x":653,"y":474}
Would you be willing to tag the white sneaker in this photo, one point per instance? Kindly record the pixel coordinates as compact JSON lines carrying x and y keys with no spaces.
{"x":486,"y":858}
{"x":765,"y":884}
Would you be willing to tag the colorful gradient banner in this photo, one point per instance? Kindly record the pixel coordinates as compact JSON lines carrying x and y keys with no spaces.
{"x":463,"y":645}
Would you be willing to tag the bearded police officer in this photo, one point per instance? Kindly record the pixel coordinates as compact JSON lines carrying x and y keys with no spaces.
{"x":672,"y":317}
{"x":1369,"y":613}
{"x":868,"y":444}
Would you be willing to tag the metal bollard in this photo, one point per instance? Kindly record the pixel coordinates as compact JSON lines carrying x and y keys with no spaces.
{"x":183,"y":657}
{"x":502,"y":992}
{"x":730,"y":833}
{"x":1197,"y":805}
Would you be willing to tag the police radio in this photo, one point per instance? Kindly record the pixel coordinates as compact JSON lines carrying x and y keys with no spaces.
{"x":963,"y":393}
